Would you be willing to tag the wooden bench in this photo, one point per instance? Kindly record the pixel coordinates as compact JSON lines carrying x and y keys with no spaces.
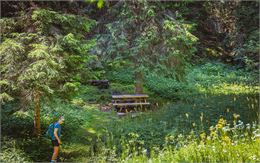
{"x":130,"y":101}
{"x":102,"y":84}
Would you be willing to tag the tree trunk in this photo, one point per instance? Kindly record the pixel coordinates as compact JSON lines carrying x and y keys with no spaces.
{"x":37,"y":111}
{"x":139,"y":79}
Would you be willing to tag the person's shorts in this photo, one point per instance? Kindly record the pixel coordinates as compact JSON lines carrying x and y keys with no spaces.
{"x":55,"y":143}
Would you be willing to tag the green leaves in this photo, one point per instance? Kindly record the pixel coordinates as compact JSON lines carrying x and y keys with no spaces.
{"x":77,"y":44}
{"x":11,"y":53}
{"x":11,"y":46}
{"x":100,"y":3}
{"x":39,"y":52}
{"x":44,"y":19}
{"x":70,"y":41}
{"x":148,"y":40}
{"x":51,"y":54}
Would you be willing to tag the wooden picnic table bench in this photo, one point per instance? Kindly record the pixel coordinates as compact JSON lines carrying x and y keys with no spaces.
{"x":123,"y":102}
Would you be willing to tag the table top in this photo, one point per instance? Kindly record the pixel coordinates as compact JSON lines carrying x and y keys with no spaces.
{"x":131,"y":96}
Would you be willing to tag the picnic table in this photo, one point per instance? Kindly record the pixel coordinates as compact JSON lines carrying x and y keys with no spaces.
{"x":128,"y":101}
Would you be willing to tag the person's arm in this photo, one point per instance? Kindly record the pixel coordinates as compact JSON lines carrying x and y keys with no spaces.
{"x":56,"y":135}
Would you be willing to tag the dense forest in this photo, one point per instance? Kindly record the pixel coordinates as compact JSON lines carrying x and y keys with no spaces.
{"x":197,"y":62}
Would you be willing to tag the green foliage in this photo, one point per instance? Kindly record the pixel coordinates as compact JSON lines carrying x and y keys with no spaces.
{"x":164,"y":47}
{"x":228,"y":34}
{"x":44,"y":19}
{"x":82,"y":129}
{"x":11,"y":25}
{"x":38,"y":61}
{"x":196,"y":115}
{"x":167,"y":87}
{"x":83,"y":126}
{"x":15,"y":123}
{"x":214,"y":73}
{"x":246,"y":55}
{"x":121,"y":75}
{"x":92,"y":95}
{"x":10,"y":152}
{"x":217,"y":148}
{"x":4,"y":84}
{"x":117,"y":88}
{"x":101,"y":136}
{"x":37,"y":73}
{"x":100,"y":3}
{"x":70,"y":89}
{"x":49,"y":52}
{"x":252,"y":44}
{"x":42,"y":71}
{"x":210,"y":78}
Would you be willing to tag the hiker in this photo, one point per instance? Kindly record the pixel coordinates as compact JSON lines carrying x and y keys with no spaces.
{"x":55,"y":138}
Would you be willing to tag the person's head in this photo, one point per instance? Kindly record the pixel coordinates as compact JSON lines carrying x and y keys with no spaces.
{"x":61,"y":120}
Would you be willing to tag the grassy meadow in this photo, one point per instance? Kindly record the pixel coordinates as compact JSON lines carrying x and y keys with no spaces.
{"x":211,"y":116}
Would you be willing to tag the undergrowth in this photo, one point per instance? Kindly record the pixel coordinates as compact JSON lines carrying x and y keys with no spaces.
{"x":214,"y":120}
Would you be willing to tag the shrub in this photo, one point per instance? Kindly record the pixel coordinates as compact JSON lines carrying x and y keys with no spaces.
{"x":124,"y":75}
{"x":10,"y":151}
{"x":167,"y":87}
{"x":211,"y":78}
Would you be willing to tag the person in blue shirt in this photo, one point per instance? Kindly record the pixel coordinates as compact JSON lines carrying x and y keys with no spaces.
{"x":56,"y":140}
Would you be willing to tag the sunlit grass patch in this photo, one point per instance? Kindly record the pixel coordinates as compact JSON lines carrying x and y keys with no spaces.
{"x":226,"y":88}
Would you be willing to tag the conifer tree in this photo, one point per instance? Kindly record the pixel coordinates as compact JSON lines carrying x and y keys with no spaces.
{"x":44,"y":59}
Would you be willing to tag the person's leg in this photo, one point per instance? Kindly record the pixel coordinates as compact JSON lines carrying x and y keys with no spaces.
{"x":55,"y":153}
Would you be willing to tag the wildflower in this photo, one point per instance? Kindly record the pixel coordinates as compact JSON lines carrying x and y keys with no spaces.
{"x":193,"y":124}
{"x":221,"y":123}
{"x":240,"y":125}
{"x":256,"y":131}
{"x":253,"y":157}
{"x":248,"y":126}
{"x":234,"y":143}
{"x":254,"y":126}
{"x":180,"y":136}
{"x":201,"y":116}
{"x":202,"y":135}
{"x":213,"y":134}
{"x":213,"y":148}
{"x":144,"y":151}
{"x":226,"y":139}
{"x":226,"y":129}
{"x":211,"y":128}
{"x":236,"y":116}
{"x":257,"y":136}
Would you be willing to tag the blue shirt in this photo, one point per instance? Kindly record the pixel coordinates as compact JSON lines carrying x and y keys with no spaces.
{"x":57,"y":125}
